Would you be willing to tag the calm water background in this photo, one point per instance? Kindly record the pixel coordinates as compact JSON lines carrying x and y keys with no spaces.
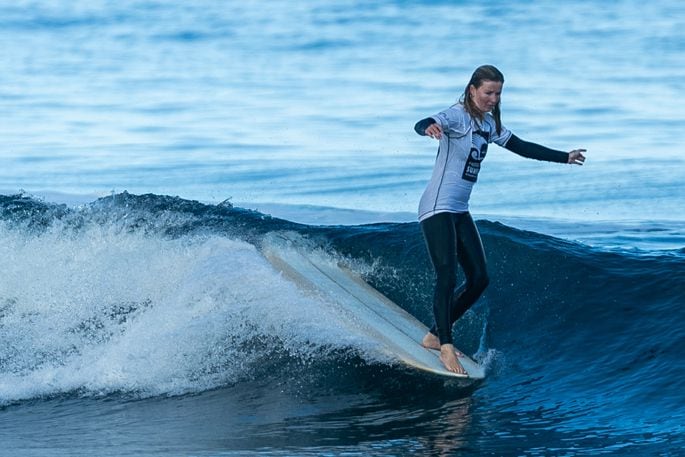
{"x":313,"y":103}
{"x":142,"y":325}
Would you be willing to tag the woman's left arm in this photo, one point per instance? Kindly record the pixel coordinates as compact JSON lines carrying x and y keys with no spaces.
{"x":539,"y":152}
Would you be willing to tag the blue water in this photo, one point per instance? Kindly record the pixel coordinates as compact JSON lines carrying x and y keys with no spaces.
{"x":152,"y":325}
{"x":150,"y":148}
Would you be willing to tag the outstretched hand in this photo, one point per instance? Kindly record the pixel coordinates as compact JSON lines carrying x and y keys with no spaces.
{"x":434,"y":131}
{"x":575,"y":157}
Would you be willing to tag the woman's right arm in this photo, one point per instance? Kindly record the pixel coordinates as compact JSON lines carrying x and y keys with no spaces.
{"x":429,"y":127}
{"x":422,"y":125}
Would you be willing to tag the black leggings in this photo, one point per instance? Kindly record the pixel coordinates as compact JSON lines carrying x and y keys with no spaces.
{"x":452,"y":237}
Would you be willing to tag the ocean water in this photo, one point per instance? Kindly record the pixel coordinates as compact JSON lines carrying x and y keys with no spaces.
{"x":150,"y":149}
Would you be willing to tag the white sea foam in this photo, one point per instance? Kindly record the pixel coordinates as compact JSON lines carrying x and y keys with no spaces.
{"x":102,"y":310}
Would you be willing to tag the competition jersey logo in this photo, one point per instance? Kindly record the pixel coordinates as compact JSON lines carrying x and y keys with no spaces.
{"x":479,"y":148}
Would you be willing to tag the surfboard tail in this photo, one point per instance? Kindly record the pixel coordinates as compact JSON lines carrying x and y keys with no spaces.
{"x":396,"y":331}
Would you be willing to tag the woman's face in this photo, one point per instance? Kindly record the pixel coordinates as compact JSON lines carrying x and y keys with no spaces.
{"x":487,"y":96}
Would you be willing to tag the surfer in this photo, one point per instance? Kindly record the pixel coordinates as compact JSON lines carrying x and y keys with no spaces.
{"x":464,"y":131}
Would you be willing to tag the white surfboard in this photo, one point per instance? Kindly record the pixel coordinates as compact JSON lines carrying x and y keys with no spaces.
{"x":397,"y":331}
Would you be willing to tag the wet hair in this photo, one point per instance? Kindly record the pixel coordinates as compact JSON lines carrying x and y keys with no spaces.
{"x":482,"y":73}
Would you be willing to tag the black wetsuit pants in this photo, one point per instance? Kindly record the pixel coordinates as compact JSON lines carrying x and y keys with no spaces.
{"x":452,"y":238}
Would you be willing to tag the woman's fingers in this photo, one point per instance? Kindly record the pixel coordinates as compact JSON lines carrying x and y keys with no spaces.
{"x":434,"y":131}
{"x":576,"y":156}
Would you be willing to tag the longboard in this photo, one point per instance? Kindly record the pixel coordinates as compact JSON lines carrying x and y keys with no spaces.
{"x":398,"y":333}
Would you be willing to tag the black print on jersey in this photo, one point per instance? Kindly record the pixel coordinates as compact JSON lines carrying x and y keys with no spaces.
{"x":479,"y":149}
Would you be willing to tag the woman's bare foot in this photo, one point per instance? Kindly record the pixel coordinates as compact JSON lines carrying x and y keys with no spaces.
{"x":431,"y":341}
{"x":448,"y":357}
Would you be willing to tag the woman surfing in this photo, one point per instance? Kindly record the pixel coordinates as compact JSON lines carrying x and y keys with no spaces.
{"x":464,"y":131}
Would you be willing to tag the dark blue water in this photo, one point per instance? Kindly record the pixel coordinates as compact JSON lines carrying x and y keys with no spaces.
{"x":152,"y":325}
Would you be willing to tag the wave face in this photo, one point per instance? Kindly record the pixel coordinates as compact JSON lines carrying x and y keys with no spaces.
{"x":146,"y":296}
{"x":595,"y":333}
